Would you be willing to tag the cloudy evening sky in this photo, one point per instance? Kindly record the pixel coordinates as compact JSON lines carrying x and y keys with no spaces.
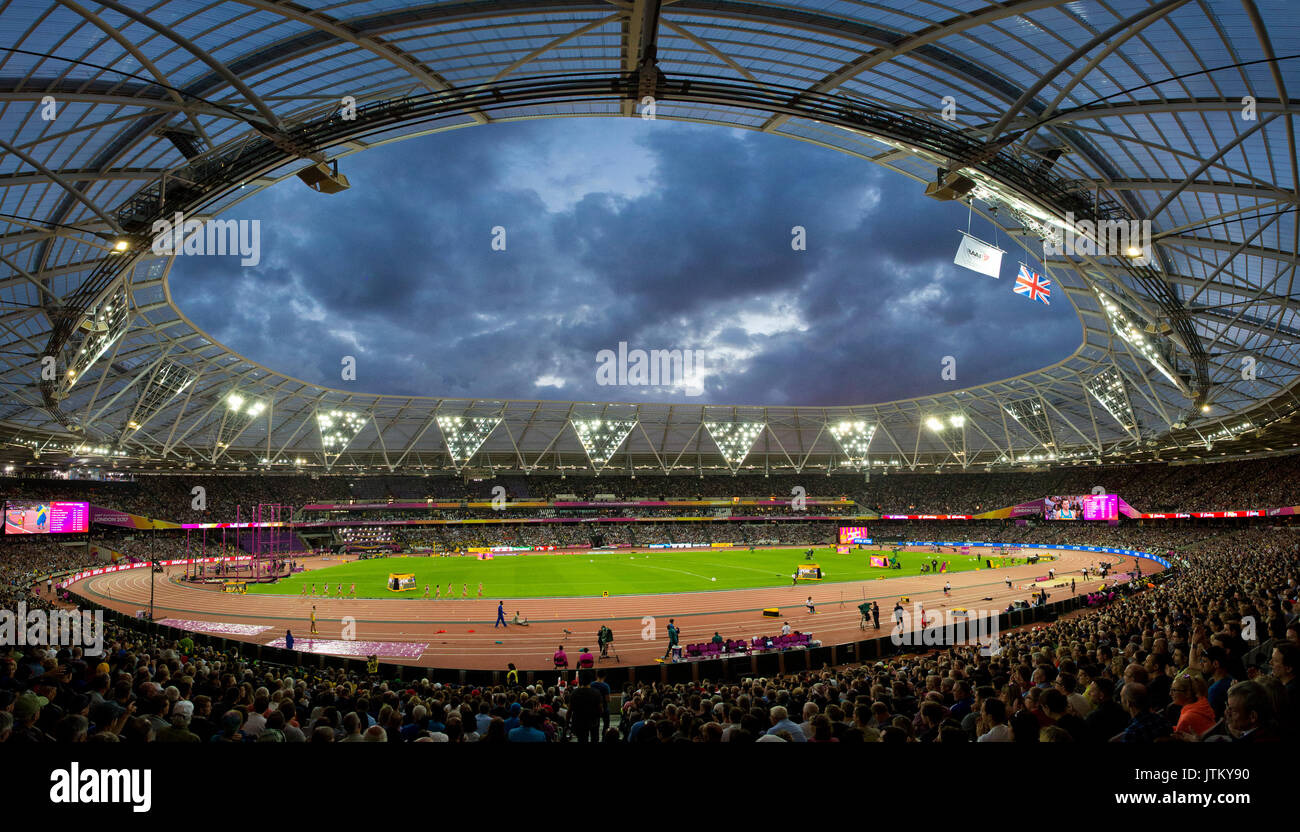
{"x":658,"y":234}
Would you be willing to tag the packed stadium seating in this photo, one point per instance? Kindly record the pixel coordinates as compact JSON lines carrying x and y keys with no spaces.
{"x":1259,"y":483}
{"x":1128,"y":666}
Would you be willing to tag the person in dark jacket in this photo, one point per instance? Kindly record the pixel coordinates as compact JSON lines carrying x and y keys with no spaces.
{"x":585,"y":706}
{"x":1106,"y":719}
{"x":1250,"y":714}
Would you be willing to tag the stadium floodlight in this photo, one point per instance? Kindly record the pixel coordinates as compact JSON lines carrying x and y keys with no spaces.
{"x":99,"y":330}
{"x":337,"y":430}
{"x":464,"y":435}
{"x":241,"y":412}
{"x":1031,"y":415}
{"x":854,"y":438}
{"x":1231,"y":431}
{"x":1108,"y":388}
{"x":600,"y":438}
{"x":1149,"y":346}
{"x":735,"y":440}
{"x":167,"y":381}
{"x":938,"y":425}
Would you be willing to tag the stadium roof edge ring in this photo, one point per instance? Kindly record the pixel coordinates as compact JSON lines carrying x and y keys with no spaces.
{"x":1062,"y":108}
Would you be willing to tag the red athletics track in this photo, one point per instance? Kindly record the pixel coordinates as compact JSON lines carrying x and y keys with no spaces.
{"x":732,"y":613}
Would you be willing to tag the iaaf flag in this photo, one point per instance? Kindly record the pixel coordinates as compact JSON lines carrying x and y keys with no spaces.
{"x":978,"y":256}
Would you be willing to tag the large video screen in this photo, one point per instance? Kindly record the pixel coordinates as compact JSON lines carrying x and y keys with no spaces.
{"x":1082,"y":507}
{"x":24,"y":517}
{"x":852,"y":534}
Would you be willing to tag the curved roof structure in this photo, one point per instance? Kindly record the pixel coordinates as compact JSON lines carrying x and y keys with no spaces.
{"x":1062,"y":120}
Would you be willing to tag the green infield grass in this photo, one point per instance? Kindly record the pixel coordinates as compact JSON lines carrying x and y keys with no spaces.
{"x":539,"y":575}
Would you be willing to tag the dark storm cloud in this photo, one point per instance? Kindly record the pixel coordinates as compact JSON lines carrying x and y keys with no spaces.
{"x":659,"y":235}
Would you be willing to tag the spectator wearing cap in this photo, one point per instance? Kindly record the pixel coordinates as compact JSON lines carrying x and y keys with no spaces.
{"x":27,"y":710}
{"x":513,"y":720}
{"x":48,"y":687}
{"x":1214,"y":663}
{"x":179,"y":730}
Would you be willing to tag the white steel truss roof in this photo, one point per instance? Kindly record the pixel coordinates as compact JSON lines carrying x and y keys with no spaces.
{"x":1124,"y":109}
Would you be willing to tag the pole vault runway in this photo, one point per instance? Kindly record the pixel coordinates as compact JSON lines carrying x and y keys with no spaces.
{"x":459,"y":633}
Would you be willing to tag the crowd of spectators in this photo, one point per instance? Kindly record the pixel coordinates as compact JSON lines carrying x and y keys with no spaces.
{"x":1260,"y":483}
{"x":364,"y":513}
{"x":54,"y":553}
{"x":22,"y":561}
{"x":1210,"y":655}
{"x":173,"y":498}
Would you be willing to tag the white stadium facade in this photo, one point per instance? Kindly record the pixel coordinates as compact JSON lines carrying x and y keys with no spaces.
{"x":1173,"y":116}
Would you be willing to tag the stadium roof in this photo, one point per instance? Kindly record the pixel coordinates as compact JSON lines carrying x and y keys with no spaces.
{"x":116,"y":114}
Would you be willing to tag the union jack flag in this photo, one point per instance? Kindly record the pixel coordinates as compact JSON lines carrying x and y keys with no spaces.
{"x":1033,"y":286}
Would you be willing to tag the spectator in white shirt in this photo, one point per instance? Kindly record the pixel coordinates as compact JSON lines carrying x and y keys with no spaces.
{"x":995,"y":721}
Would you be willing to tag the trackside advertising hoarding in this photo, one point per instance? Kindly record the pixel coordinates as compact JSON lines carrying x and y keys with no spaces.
{"x":1133,"y":553}
{"x":122,"y":567}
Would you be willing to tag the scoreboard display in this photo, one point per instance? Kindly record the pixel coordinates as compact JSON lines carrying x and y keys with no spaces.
{"x":30,"y":517}
{"x":1082,"y":507}
{"x":854,"y":534}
